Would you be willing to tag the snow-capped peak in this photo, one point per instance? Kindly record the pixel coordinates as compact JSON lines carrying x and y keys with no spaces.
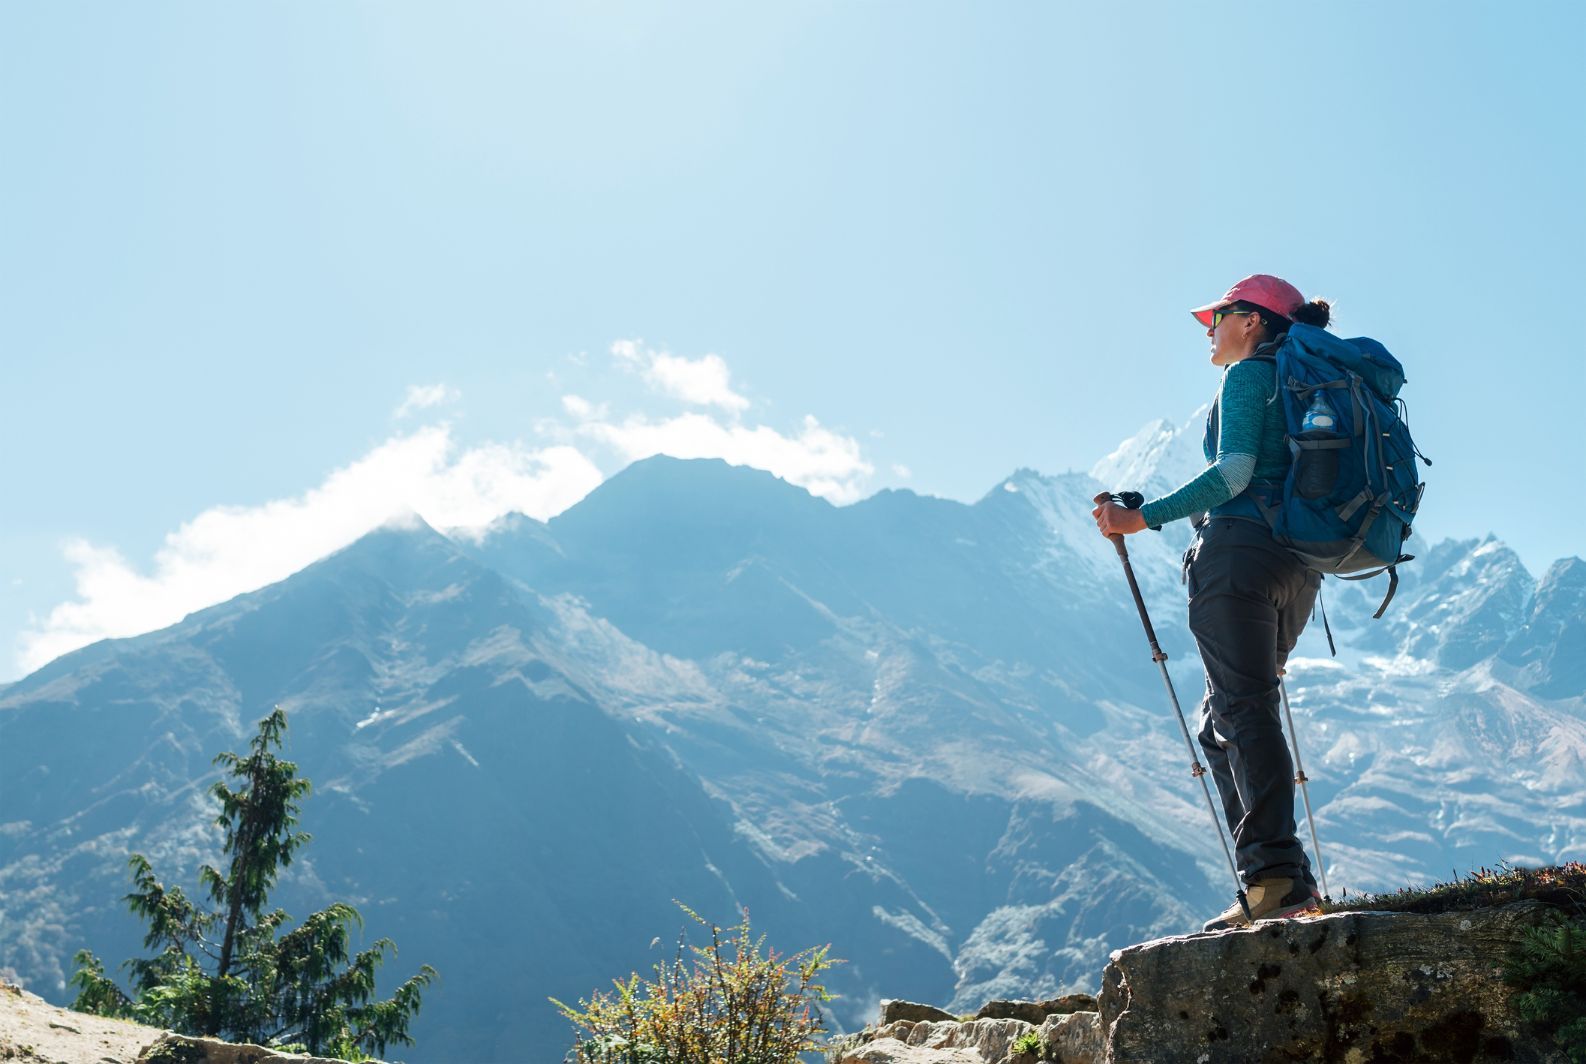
{"x":1156,"y":459}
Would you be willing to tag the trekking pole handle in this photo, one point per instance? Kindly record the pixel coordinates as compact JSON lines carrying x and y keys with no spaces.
{"x":1116,"y":537}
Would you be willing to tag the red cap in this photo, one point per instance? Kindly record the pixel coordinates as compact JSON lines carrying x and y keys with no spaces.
{"x":1262,"y":289}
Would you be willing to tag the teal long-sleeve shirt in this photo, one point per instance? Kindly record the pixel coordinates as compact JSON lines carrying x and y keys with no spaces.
{"x":1250,"y":444}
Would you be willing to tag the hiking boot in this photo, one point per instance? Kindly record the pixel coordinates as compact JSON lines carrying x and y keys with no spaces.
{"x":1270,"y":899}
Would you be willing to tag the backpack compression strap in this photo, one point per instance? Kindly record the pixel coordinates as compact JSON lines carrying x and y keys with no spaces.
{"x":1392,"y":569}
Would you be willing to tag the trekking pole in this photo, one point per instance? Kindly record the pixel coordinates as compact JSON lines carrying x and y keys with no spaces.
{"x":1132,"y":501}
{"x":1301,"y":778}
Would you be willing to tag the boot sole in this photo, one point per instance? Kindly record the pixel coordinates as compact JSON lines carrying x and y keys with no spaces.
{"x":1292,"y":912}
{"x":1305,"y":908}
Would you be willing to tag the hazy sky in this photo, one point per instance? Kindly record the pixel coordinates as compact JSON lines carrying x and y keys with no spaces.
{"x":271,"y":272}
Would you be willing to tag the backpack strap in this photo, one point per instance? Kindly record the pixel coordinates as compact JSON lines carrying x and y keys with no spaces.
{"x":1392,"y":569}
{"x":1347,"y":510}
{"x":1320,"y":605}
{"x":1393,"y":585}
{"x":1359,"y":539}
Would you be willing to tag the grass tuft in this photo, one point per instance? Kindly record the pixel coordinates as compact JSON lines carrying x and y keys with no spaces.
{"x":1562,"y":886}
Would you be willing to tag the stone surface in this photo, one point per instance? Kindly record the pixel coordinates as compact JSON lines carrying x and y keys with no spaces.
{"x":898,"y":1029}
{"x":892,"y":1051}
{"x":1349,"y":987}
{"x":992,"y":1039}
{"x":1069,"y":1003}
{"x":33,"y":1030}
{"x":892,"y":1011}
{"x":1074,"y":1038}
{"x":1028,"y":1011}
{"x":940,"y":1042}
{"x":1035,"y":1012}
{"x":180,"y":1049}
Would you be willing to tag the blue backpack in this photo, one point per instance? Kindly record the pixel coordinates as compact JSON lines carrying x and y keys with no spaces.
{"x":1352,"y":489}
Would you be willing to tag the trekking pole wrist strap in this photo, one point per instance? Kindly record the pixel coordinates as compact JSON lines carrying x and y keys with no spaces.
{"x":1132,"y":500}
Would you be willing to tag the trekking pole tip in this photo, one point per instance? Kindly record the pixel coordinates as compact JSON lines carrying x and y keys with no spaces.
{"x":1244,"y":905}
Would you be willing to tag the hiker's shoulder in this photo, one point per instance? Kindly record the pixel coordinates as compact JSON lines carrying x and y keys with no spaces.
{"x":1255,"y":366}
{"x":1250,"y":373}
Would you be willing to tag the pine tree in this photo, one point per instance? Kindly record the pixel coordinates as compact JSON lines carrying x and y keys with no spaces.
{"x":1548,"y":972}
{"x":301,"y":989}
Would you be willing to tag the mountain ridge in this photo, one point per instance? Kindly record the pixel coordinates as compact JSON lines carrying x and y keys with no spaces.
{"x":925,"y":730}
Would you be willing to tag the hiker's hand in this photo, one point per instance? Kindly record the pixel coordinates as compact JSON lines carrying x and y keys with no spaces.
{"x":1112,"y":519}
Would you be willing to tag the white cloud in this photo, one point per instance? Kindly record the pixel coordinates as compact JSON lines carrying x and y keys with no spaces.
{"x":228,"y":550}
{"x":817,"y":459}
{"x":582,"y":408}
{"x":901,"y":470}
{"x":703,"y":381}
{"x":424,"y":396}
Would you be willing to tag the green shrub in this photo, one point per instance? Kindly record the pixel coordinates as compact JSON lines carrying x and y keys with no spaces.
{"x":1029,"y":1042}
{"x":706,"y":1007}
{"x":1548,"y":972}
{"x":1547,"y":968}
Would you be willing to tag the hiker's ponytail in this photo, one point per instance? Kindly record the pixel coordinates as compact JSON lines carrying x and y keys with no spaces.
{"x":1317,"y":312}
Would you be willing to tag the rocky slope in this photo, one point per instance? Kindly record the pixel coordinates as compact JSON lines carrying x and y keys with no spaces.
{"x":32,"y":1031}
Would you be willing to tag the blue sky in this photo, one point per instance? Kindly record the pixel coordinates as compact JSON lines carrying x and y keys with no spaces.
{"x":862,"y":244}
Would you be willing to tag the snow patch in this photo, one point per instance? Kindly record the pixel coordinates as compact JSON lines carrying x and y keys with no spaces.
{"x":378,"y":715}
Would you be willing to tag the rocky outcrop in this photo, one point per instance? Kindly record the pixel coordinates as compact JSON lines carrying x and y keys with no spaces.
{"x":180,"y":1049}
{"x":891,"y":1051}
{"x":1074,"y":1038}
{"x":1350,"y":987}
{"x":894,"y":1010}
{"x":1003,"y":1033}
{"x":1036,"y":1012}
{"x":985,"y":1040}
{"x":1360,"y":986}
{"x":32,"y":1031}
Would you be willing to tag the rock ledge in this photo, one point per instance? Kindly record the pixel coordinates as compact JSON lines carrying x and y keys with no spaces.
{"x":1350,"y":987}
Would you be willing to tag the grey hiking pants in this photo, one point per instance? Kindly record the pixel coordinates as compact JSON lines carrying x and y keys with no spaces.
{"x":1249,"y":600}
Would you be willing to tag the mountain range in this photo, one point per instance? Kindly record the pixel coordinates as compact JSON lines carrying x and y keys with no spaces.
{"x":926,"y":732}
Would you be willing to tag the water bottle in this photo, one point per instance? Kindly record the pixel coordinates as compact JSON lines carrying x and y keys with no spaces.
{"x":1319,"y":416}
{"x":1318,"y":470}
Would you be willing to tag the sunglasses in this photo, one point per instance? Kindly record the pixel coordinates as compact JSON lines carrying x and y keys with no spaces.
{"x":1219,"y":315}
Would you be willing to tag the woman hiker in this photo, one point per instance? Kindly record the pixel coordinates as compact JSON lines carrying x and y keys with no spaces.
{"x":1249,"y":598}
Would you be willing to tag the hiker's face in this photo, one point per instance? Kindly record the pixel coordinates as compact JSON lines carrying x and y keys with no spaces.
{"x":1234,"y":338}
